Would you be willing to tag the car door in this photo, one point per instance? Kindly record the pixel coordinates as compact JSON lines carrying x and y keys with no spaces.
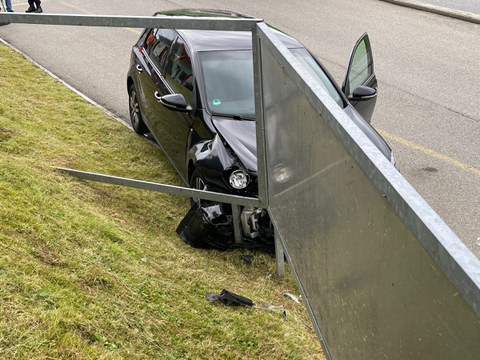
{"x":142,"y":72}
{"x":176,"y":126}
{"x":360,"y":85}
{"x":157,"y":47}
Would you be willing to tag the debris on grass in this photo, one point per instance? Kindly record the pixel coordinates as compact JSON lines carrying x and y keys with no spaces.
{"x":230,"y":299}
{"x":291,"y":297}
{"x":246,"y":259}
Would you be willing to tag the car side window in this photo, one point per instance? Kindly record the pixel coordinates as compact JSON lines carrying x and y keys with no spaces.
{"x":361,"y":68}
{"x":178,"y":71}
{"x":143,"y":38}
{"x":157,"y":44}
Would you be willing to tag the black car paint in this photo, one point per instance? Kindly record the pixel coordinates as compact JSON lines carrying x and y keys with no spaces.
{"x":197,"y":125}
{"x":212,"y":158}
{"x":212,"y":145}
{"x":241,"y":137}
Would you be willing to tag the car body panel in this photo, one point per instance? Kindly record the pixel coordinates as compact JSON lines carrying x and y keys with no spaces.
{"x":241,"y":137}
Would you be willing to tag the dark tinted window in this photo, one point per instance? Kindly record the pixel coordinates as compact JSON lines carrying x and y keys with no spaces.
{"x":157,"y":44}
{"x":178,"y":71}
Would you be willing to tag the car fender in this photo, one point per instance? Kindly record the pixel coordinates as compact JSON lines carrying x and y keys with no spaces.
{"x":212,"y":159}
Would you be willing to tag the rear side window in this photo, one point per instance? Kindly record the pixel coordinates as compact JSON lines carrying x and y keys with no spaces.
{"x":178,"y":71}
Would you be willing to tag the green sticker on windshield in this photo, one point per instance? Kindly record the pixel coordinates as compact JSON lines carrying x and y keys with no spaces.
{"x":216,"y":102}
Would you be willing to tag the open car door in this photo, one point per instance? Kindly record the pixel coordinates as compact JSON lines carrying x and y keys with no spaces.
{"x":360,"y":85}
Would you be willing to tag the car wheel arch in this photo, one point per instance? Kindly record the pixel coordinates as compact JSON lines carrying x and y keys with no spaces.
{"x":190,"y":170}
{"x":130,"y":82}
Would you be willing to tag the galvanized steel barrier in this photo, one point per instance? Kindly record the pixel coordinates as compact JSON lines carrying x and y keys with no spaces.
{"x":381,"y":274}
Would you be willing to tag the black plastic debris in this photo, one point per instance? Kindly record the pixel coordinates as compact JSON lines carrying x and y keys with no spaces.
{"x":230,"y":299}
{"x":246,"y":259}
{"x":209,"y":225}
{"x":206,"y":226}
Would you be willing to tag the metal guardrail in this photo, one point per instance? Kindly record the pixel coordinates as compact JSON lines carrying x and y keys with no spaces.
{"x":380,"y":271}
{"x":204,"y":23}
{"x":163,"y":188}
{"x":381,"y":274}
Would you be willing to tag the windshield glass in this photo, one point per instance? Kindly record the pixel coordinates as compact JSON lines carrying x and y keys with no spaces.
{"x":228,"y":80}
{"x":310,"y":64}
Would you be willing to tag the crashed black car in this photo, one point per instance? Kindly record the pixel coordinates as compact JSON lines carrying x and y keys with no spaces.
{"x":193,"y":91}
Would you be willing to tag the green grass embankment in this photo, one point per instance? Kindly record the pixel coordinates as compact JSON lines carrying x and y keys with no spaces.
{"x":94,"y":271}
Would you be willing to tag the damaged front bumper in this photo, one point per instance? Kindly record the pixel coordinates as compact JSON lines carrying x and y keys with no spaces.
{"x":210,"y":225}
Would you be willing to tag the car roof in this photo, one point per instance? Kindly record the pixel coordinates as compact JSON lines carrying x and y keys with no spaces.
{"x":212,"y":40}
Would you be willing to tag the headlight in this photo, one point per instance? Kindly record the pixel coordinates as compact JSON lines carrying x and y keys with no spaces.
{"x":239,"y":179}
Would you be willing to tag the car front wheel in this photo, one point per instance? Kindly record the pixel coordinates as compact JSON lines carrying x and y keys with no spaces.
{"x":136,"y":118}
{"x":197,"y":182}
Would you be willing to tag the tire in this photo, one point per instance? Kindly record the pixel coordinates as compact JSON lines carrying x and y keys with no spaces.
{"x":136,"y":117}
{"x":197,"y":182}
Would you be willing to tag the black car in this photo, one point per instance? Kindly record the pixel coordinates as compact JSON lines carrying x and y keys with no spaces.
{"x":193,"y":91}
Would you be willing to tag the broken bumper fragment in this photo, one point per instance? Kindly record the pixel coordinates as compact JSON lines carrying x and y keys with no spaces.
{"x":210,"y":225}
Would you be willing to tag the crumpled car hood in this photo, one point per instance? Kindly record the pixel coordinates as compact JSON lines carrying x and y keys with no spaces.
{"x":241,"y":137}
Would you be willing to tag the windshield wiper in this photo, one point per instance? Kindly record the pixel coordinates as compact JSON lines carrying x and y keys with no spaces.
{"x":238,"y":117}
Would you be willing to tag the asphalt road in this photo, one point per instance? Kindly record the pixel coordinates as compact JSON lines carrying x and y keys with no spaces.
{"x":427,"y":66}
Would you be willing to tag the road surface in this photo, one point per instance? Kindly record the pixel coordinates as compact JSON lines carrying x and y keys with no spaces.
{"x":427,"y":66}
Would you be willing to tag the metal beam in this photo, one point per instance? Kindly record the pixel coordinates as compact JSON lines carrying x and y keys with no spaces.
{"x":260,"y":121}
{"x":200,"y":23}
{"x":167,"y":189}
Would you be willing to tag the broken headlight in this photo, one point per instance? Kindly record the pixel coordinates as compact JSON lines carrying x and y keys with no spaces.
{"x":239,"y":179}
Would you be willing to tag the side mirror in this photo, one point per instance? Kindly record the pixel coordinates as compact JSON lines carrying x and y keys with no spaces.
{"x":363,"y":93}
{"x":175,"y":102}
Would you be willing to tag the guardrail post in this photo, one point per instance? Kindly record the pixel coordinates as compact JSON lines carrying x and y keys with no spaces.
{"x":237,"y":232}
{"x":260,"y":126}
{"x":279,"y":255}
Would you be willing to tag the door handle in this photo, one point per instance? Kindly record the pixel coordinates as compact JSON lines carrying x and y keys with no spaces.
{"x":139,"y":68}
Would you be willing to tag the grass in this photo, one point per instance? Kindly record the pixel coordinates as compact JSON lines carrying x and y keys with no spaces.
{"x":94,"y":271}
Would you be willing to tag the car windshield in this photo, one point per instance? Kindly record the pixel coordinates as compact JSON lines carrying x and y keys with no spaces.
{"x":311,"y":65}
{"x":228,"y":80}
